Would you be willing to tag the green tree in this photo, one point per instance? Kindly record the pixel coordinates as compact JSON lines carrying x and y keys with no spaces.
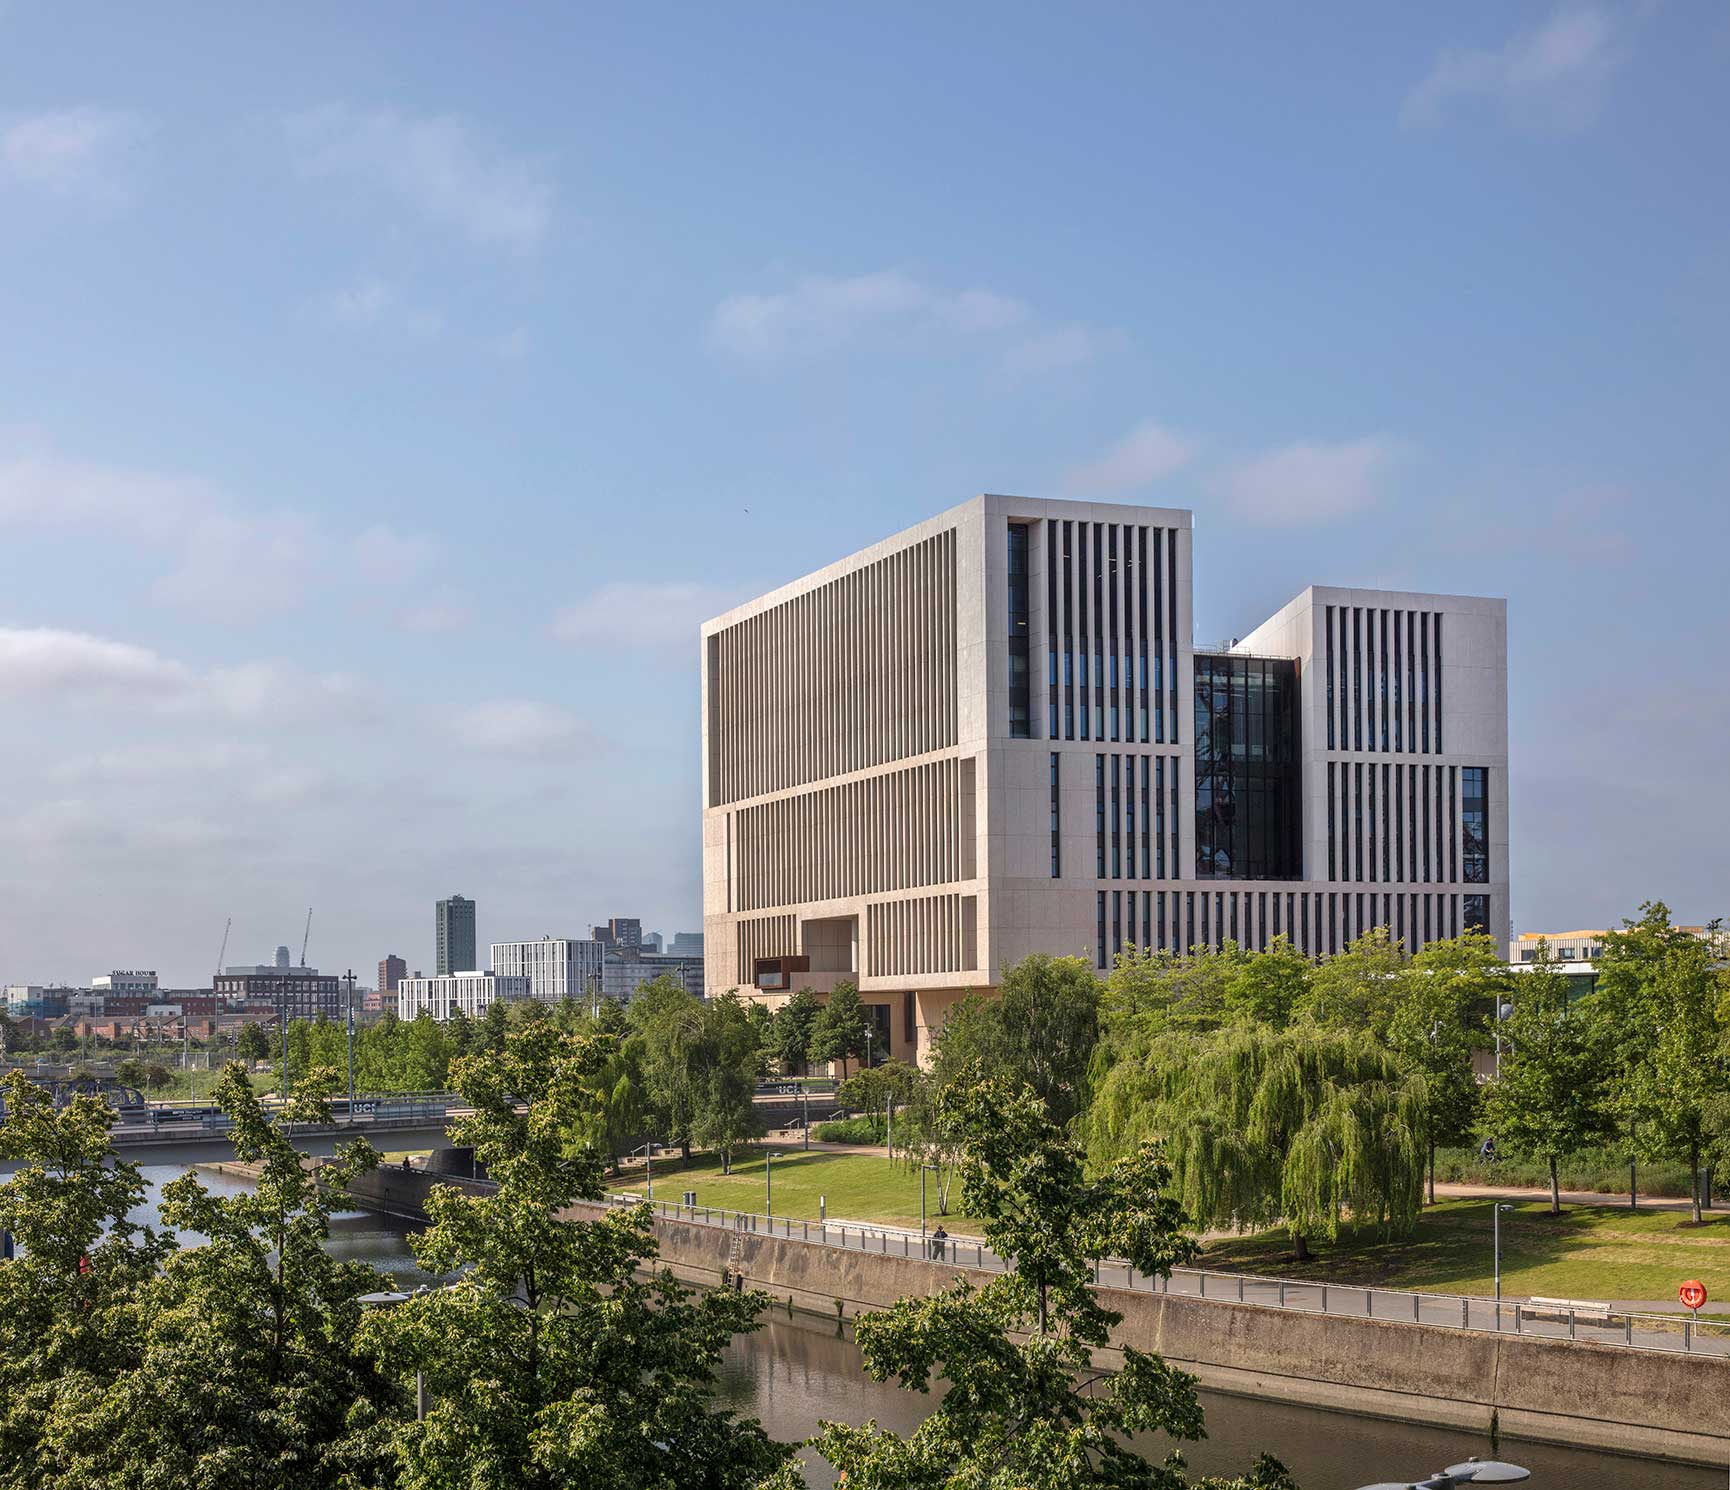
{"x":793,"y":1029}
{"x":299,"y":1049}
{"x":69,"y":1318}
{"x":1430,"y":1023}
{"x":1024,"y":1409}
{"x":1047,"y":1022}
{"x":157,"y":1075}
{"x":667,"y":1029}
{"x":1150,"y":989}
{"x":130,"y":1072}
{"x":1355,"y":988}
{"x":252,"y":1044}
{"x":840,"y":1032}
{"x":1551,"y":1096}
{"x":762,"y":1023}
{"x":1302,"y":1125}
{"x":249,"y":1373}
{"x":556,"y":1360}
{"x":1266,"y":987}
{"x":424,"y":1062}
{"x":495,"y":1025}
{"x":726,"y":1061}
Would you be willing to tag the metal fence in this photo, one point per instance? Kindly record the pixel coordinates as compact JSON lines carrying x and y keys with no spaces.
{"x":1628,"y":1329}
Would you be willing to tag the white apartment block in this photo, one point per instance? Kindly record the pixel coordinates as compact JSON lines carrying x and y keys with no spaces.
{"x":557,"y":967}
{"x":444,"y":994}
{"x":992,"y":735}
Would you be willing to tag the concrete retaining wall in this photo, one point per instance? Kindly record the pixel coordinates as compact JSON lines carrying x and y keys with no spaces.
{"x":1556,"y":1391}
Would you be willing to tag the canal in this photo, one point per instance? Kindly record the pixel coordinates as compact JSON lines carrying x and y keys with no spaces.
{"x":798,"y":1370}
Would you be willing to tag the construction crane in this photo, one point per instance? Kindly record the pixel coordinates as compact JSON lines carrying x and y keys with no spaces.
{"x":306,"y":937}
{"x":224,"y":950}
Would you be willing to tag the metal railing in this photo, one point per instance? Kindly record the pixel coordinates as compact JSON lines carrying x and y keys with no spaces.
{"x":1628,"y":1329}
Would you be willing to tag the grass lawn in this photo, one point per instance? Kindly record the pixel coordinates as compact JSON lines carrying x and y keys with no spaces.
{"x":1589,"y":1252}
{"x":858,"y":1187}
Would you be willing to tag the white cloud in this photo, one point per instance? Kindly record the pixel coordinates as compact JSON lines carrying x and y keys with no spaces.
{"x":1145,"y":455}
{"x":224,"y":561}
{"x":377,"y":302}
{"x":651,"y":617}
{"x":74,"y":667}
{"x":823,"y":310}
{"x":433,"y":620}
{"x":521,"y":726}
{"x":73,"y":664}
{"x":1551,"y":77}
{"x":433,"y":164}
{"x":156,"y":761}
{"x":1310,"y":483}
{"x":1061,"y":347}
{"x":85,"y":152}
{"x":40,"y":489}
{"x":385,"y":556}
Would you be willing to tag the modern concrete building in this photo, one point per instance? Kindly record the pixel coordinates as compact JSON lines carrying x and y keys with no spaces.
{"x":557,"y":967}
{"x":1588,"y":946}
{"x":454,"y":936}
{"x":443,"y":994}
{"x":992,"y":735}
{"x":391,"y":971}
{"x":686,"y":944}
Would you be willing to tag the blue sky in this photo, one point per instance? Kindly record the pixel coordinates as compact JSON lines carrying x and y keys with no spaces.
{"x":386,"y":391}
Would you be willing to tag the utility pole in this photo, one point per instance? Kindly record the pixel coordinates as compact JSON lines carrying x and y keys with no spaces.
{"x":282,"y":1019}
{"x":351,"y":1045}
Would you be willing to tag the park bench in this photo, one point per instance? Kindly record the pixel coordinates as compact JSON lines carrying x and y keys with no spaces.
{"x":1590,"y":1310}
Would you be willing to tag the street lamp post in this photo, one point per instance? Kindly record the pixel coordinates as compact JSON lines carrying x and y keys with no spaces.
{"x":351,"y":1045}
{"x":1502,"y":1012}
{"x":805,"y":1103}
{"x":1496,"y":1212}
{"x":768,"y":1185}
{"x":389,"y":1300}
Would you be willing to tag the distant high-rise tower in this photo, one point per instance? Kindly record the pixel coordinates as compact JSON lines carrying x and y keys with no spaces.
{"x":454,"y":929}
{"x":621,"y":931}
{"x":282,"y":957}
{"x":391,"y":972}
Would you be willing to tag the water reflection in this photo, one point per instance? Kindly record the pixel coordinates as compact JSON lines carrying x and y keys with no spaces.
{"x":798,"y":1370}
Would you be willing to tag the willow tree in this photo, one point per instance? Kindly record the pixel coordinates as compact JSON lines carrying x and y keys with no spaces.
{"x":1303,"y":1125}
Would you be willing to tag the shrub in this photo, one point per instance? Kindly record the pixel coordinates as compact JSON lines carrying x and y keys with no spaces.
{"x":850,"y":1130}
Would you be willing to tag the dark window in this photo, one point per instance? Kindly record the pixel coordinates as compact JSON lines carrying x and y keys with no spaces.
{"x":1146,"y":821}
{"x":1382,"y":707}
{"x":1475,"y":826}
{"x":1424,"y":673}
{"x":1056,"y":822}
{"x":1068,"y":636}
{"x":1100,"y":929}
{"x":1158,"y":680}
{"x":1083,"y":589}
{"x":1333,"y":828}
{"x":1330,"y":631}
{"x":1189,"y":918}
{"x":1399,"y":735}
{"x":1141,"y":631}
{"x":1171,"y":630}
{"x":1116,"y":822}
{"x":1476,"y":911}
{"x":1099,"y":631}
{"x":1247,"y":795}
{"x":1111,"y":623}
{"x":1438,"y":684}
{"x":1129,"y":919}
{"x":1412,"y":687}
{"x":1357,"y":821}
{"x":1020,"y":686}
{"x":1357,"y":678}
{"x":1388,"y":806}
{"x":1051,"y":730}
{"x":1099,"y":810}
{"x":1116,"y":922}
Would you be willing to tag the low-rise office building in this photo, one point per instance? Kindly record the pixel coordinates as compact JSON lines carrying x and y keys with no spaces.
{"x":557,"y":967}
{"x":444,"y":994}
{"x":294,"y":992}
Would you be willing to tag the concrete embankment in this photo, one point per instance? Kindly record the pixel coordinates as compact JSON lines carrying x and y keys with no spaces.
{"x":1654,"y":1403}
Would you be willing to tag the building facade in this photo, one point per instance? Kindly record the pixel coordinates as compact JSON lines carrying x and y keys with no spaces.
{"x":625,"y":970}
{"x":992,"y":735}
{"x":444,"y":994}
{"x":294,"y":992}
{"x":557,"y":967}
{"x":454,"y":936}
{"x":391,"y":971}
{"x":126,"y":983}
{"x":623,"y":932}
